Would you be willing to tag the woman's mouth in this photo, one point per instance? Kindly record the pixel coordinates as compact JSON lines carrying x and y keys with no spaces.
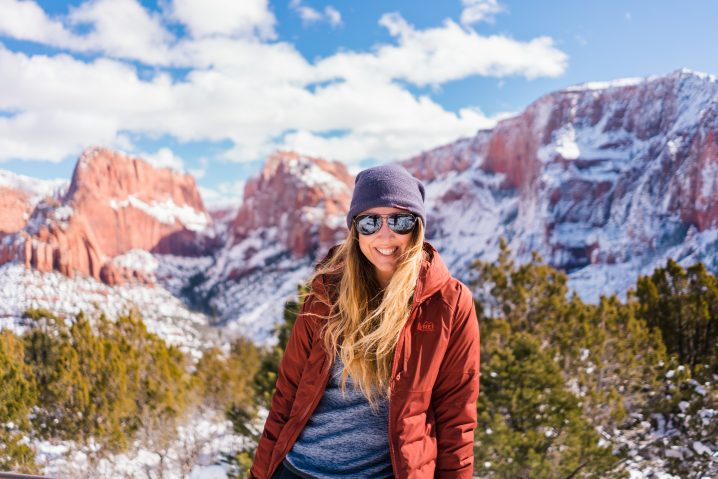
{"x":386,"y":251}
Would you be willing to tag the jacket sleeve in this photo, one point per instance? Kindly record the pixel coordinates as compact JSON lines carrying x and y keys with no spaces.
{"x":455,"y":393}
{"x":295,"y":357}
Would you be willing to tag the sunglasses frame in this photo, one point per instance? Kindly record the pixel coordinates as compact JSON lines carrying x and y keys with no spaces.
{"x":383,"y":219}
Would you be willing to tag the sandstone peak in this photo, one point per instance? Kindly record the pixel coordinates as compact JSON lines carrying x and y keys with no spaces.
{"x":116,"y":175}
{"x":296,"y":195}
{"x":115,"y":203}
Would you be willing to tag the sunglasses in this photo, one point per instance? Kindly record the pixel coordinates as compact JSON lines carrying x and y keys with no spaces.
{"x":399,"y":223}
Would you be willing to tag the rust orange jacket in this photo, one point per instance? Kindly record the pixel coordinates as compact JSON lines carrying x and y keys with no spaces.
{"x":434,"y":385}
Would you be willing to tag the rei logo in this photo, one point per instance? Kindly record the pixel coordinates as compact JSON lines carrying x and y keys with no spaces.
{"x":425,"y":326}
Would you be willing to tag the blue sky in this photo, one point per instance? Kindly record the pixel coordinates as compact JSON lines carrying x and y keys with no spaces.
{"x":212,"y":87}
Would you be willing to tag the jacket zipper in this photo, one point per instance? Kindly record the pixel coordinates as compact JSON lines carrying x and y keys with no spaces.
{"x":392,"y":382}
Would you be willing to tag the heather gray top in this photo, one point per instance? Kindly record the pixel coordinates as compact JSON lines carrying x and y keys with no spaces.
{"x":344,"y":437}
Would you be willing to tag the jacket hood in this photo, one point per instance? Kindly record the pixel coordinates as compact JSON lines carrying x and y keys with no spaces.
{"x":433,"y":275}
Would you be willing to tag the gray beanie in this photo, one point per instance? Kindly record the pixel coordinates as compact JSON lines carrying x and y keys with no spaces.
{"x":387,"y":185}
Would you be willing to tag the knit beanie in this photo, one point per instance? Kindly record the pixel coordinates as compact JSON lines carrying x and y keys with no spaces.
{"x":388,"y":186}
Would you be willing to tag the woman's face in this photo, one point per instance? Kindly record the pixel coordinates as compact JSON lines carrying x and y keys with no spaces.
{"x":384,"y":247}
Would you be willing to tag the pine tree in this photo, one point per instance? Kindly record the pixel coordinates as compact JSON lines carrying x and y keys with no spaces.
{"x":103,"y":382}
{"x":17,"y":397}
{"x":530,"y":426}
{"x":683,"y":305}
{"x":63,"y":389}
{"x":608,"y":356}
{"x":264,"y":385}
{"x":227,"y":381}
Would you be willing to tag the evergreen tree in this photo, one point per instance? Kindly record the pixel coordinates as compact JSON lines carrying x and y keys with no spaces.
{"x":264,"y":384}
{"x":608,"y":356}
{"x":17,"y":397}
{"x":530,"y":426}
{"x":63,"y":390}
{"x":683,"y":305}
{"x":103,"y":382}
{"x":227,"y":381}
{"x":619,"y":364}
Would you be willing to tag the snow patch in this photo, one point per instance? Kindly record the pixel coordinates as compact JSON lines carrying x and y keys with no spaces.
{"x":167,"y":212}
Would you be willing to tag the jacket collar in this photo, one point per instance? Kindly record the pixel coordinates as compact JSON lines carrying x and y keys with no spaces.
{"x":433,"y":275}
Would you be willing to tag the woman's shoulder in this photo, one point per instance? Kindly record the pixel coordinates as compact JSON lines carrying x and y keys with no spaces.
{"x":455,"y":294}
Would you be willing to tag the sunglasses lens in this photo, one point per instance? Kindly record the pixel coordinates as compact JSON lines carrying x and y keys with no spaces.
{"x":401,"y":224}
{"x":368,"y":224}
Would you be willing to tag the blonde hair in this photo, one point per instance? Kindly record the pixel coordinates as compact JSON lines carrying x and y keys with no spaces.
{"x":364,"y":321}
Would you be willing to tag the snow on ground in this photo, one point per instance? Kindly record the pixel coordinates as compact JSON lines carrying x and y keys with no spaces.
{"x":137,"y":260}
{"x":196,"y":453}
{"x":163,"y":313}
{"x":174,"y":273}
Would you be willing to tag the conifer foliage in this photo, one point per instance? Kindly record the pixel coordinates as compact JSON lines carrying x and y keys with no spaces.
{"x":17,"y":396}
{"x":104,"y":381}
{"x":560,"y":378}
{"x":568,"y":389}
{"x":683,"y":305}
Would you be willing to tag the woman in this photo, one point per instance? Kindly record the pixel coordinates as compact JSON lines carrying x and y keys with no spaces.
{"x":380,"y":376}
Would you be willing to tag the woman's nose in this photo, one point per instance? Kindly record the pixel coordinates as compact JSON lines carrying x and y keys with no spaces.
{"x":385,"y":231}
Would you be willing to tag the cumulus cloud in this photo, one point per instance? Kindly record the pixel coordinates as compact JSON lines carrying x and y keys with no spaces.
{"x":245,"y":18}
{"x":333,"y":16}
{"x":475,"y":11}
{"x":200,"y":171}
{"x":310,"y":15}
{"x":238,"y":87}
{"x":116,"y":28}
{"x":450,"y":52}
{"x":25,"y":20}
{"x":164,"y":158}
{"x":121,"y":29}
{"x":228,"y":194}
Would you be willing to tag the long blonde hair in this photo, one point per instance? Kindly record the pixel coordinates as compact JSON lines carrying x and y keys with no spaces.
{"x":364,"y":321}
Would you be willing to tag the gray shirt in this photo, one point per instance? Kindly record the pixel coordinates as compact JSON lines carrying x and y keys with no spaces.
{"x":344,"y":437}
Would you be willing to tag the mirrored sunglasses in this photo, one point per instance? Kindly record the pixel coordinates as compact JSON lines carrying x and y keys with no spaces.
{"x":399,"y":223}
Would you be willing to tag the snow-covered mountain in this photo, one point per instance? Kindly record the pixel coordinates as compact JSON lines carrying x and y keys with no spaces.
{"x":604,"y":180}
{"x":114,"y":204}
{"x":20,"y":194}
{"x":293,"y":211}
{"x":88,"y":245}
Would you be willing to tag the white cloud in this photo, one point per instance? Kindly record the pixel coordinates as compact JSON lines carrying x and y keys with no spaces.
{"x":228,"y":194}
{"x":117,"y":28}
{"x":257,"y":95}
{"x":164,"y":158}
{"x":475,"y":11}
{"x":374,"y":131}
{"x":307,"y":14}
{"x":241,"y":18}
{"x":122,"y":29}
{"x":437,"y":55}
{"x":25,"y":20}
{"x":199,"y":172}
{"x":333,"y":16}
{"x":310,"y":15}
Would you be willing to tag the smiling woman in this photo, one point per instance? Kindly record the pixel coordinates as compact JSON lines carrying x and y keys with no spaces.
{"x":380,"y":376}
